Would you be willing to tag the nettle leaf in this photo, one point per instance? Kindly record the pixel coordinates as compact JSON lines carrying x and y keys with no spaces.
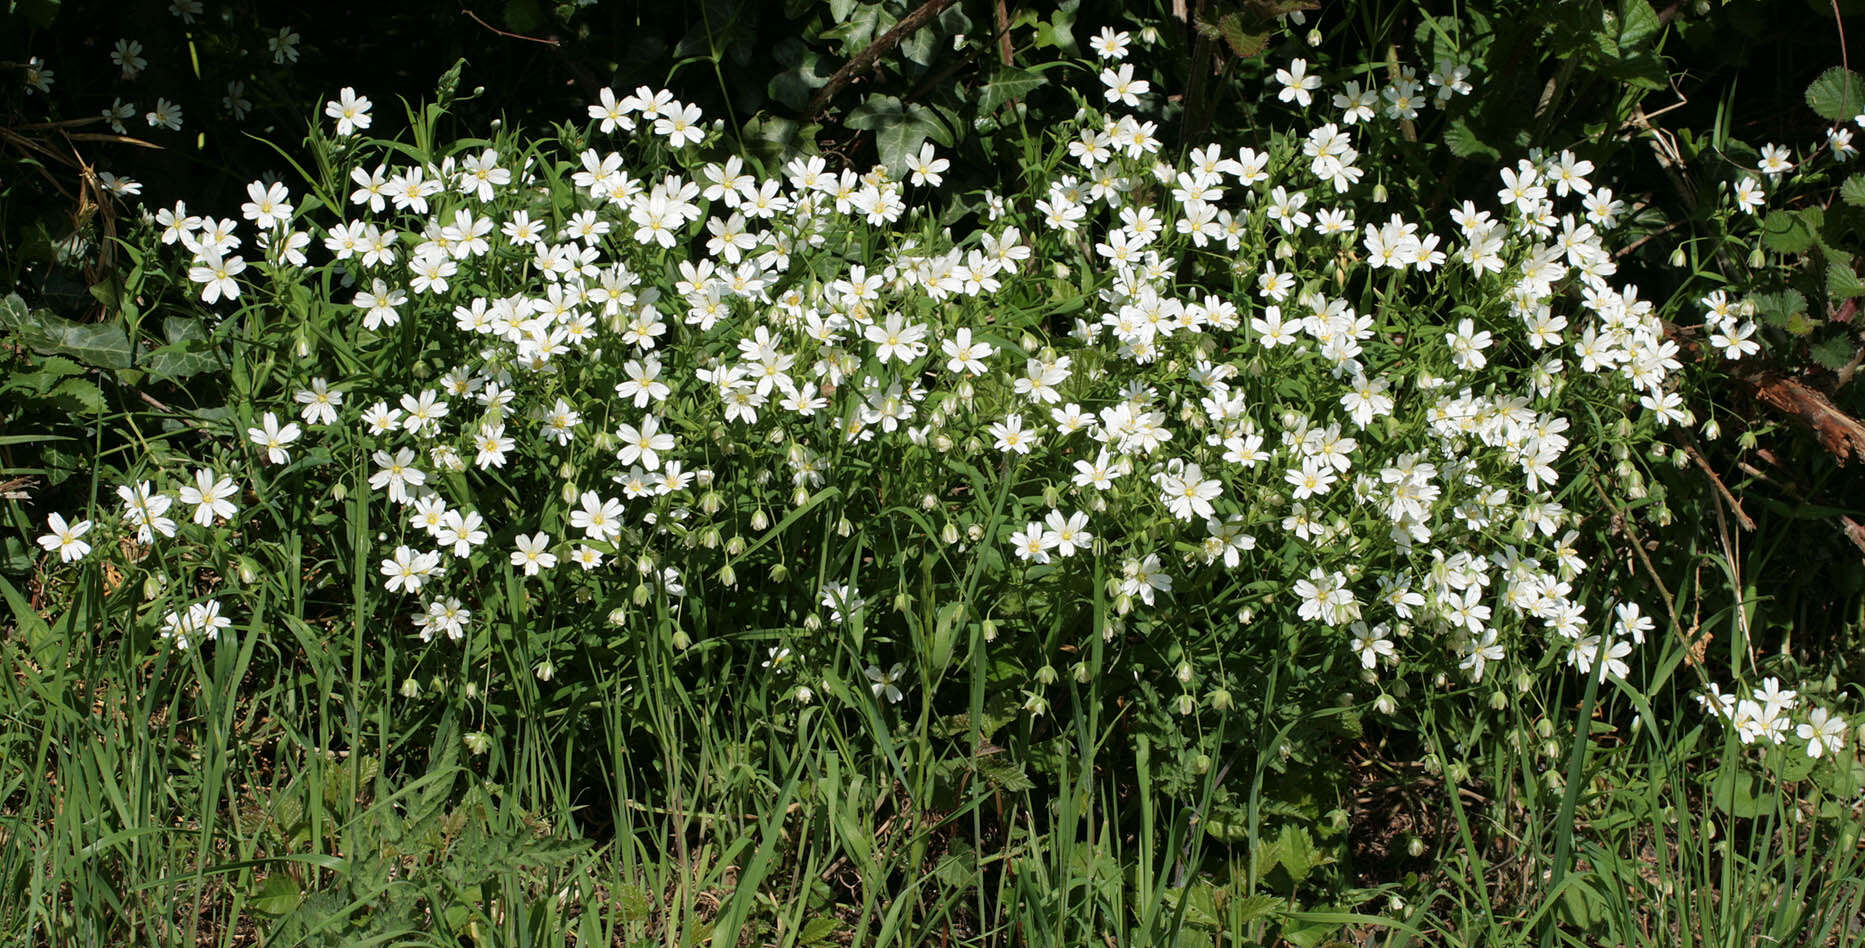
{"x":82,"y":394}
{"x":1853,"y":190}
{"x":1842,"y":283}
{"x":1834,"y":353}
{"x":1638,"y":22}
{"x":1786,"y":232}
{"x":1244,"y":42}
{"x":1837,"y":95}
{"x":1464,"y":143}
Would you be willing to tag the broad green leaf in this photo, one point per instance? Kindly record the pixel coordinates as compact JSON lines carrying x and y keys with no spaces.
{"x":99,"y":344}
{"x":1838,"y":95}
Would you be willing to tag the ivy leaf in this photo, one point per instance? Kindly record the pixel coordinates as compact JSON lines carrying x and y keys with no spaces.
{"x":898,"y":129}
{"x":98,"y":344}
{"x":1838,"y":95}
{"x":1008,"y":83}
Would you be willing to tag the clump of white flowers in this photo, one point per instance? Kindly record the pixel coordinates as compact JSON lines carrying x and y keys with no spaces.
{"x":1243,"y":368}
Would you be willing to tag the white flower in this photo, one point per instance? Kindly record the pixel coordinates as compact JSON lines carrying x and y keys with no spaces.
{"x":351,"y":112}
{"x":1297,"y":85}
{"x":209,"y":493}
{"x":1122,"y":87}
{"x":64,"y":538}
{"x":881,"y":683}
{"x":407,"y":570}
{"x":215,"y":274}
{"x":532,"y":553}
{"x":1823,"y":732}
{"x":274,"y":439}
{"x":268,"y":206}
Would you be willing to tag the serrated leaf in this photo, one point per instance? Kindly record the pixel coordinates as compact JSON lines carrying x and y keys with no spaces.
{"x":1004,"y":773}
{"x":1838,"y":95}
{"x":1244,"y":42}
{"x":1298,"y":856}
{"x":817,"y":930}
{"x":1637,"y":23}
{"x":1842,"y":283}
{"x":1853,"y":190}
{"x":1786,"y":232}
{"x":277,"y":895}
{"x":1464,"y":143}
{"x":1834,"y":353}
{"x":82,"y":392}
{"x":1007,"y":84}
{"x":1252,"y":907}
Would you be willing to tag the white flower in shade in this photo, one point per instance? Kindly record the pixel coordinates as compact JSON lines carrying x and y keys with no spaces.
{"x":882,"y":683}
{"x":1823,"y":732}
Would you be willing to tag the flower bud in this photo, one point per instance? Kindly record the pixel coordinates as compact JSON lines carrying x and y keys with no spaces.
{"x":949,"y":533}
{"x":472,"y":690}
{"x":568,"y":493}
{"x":989,"y":627}
{"x":1222,"y":700}
{"x":735,"y":546}
{"x":618,"y":616}
{"x":1082,"y":672}
{"x":1203,"y":763}
{"x":410,"y":688}
{"x":338,"y":492}
{"x":779,"y":572}
{"x":1385,"y":704}
{"x":1187,"y":704}
{"x":1183,"y":673}
{"x":843,"y":528}
{"x":812,"y":622}
{"x":545,"y":670}
{"x":759,"y":520}
{"x":478,"y":742}
{"x":727,"y":575}
{"x":682,"y":639}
